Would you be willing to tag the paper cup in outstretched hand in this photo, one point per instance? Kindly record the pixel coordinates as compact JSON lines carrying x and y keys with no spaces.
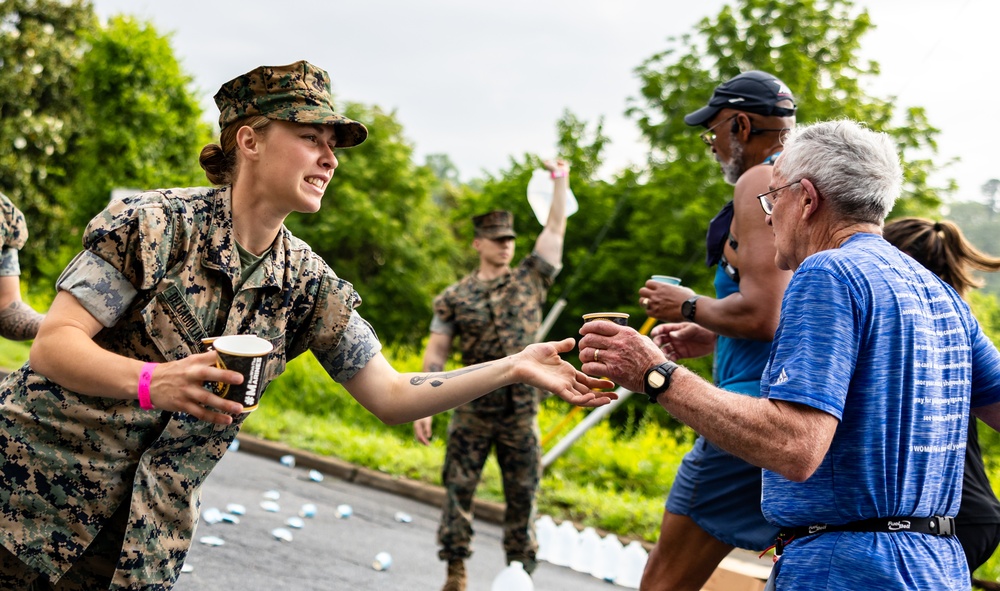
{"x":619,"y":318}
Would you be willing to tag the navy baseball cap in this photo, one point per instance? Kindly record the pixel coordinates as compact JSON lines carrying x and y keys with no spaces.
{"x":753,"y":92}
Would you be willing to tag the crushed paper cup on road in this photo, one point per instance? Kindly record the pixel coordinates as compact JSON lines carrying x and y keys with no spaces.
{"x":187,"y":568}
{"x":540,"y":196}
{"x":281,"y":534}
{"x":270,"y":506}
{"x":383,"y":560}
{"x":295,"y":522}
{"x":315,"y":476}
{"x":402,"y":517}
{"x":272,"y":495}
{"x":344,"y":511}
{"x":288,"y":460}
{"x":211,"y":541}
{"x":236,"y":509}
{"x":307,"y":510}
{"x":211,"y":516}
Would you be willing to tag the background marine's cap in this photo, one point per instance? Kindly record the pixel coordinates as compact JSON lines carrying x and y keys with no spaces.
{"x":753,"y":92}
{"x":495,"y":224}
{"x":298,"y":92}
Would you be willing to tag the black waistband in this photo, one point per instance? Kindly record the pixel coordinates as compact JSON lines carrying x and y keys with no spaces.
{"x":935,"y":526}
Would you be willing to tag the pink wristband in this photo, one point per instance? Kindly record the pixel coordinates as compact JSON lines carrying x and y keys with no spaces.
{"x":145,"y":377}
{"x":558,"y":174}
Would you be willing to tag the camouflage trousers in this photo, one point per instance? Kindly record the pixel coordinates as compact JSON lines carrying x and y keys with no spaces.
{"x":93,"y":571}
{"x":516,"y":439}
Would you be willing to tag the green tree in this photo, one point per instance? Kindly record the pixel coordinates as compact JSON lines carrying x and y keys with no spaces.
{"x":810,"y":44}
{"x":978,"y":222}
{"x":41,"y":44}
{"x":380,"y":229}
{"x":141,"y":124}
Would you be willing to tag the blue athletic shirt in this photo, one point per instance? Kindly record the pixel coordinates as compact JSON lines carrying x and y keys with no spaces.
{"x":870,"y":336}
{"x":737,"y":362}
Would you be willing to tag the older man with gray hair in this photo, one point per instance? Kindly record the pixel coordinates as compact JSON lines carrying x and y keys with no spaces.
{"x":862,"y":424}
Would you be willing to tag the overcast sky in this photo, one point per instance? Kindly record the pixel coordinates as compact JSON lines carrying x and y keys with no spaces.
{"x":485,"y":81}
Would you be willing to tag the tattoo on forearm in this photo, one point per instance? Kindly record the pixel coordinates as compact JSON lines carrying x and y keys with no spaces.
{"x":438,"y":378}
{"x":19,"y":322}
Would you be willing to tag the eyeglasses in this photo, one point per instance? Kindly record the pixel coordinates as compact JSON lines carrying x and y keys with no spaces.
{"x":709,"y":136}
{"x":768,"y":204}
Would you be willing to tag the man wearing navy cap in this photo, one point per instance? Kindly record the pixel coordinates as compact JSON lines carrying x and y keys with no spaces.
{"x":714,"y":503}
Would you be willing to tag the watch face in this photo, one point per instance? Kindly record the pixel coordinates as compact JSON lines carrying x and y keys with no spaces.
{"x":687,"y":309}
{"x":656,"y":379}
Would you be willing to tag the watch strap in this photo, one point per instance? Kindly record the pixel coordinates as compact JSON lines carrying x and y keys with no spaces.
{"x":689,"y":307}
{"x":666,"y":369}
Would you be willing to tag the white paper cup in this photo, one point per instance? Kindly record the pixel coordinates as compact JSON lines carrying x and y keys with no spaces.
{"x":666,"y":279}
{"x":619,"y":318}
{"x":244,"y":354}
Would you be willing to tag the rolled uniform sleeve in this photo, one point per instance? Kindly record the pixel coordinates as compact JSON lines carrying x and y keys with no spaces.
{"x":443,"y":320}
{"x":13,"y":234}
{"x":342,"y":341}
{"x":9,"y":265}
{"x":126,"y":249}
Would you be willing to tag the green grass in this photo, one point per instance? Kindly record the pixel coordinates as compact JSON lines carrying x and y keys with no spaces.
{"x":13,"y":354}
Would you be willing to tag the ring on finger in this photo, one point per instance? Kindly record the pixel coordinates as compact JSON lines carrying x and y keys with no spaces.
{"x":596,"y":354}
{"x":644,"y":302}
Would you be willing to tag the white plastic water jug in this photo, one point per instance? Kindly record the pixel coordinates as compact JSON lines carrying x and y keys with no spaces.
{"x":631,"y":563}
{"x":606,"y":565}
{"x":540,"y":196}
{"x":564,"y":544}
{"x":587,"y":549}
{"x":545,"y":531}
{"x":513,"y":578}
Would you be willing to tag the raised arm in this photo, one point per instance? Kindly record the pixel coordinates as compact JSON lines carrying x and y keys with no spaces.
{"x":402,"y":397}
{"x":549,"y":244}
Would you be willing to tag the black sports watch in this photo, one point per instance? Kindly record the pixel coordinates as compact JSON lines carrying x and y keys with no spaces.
{"x":657,"y":379}
{"x":688,"y":307}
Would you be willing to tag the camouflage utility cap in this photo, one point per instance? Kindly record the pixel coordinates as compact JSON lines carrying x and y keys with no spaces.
{"x":298,"y":92}
{"x":495,"y":224}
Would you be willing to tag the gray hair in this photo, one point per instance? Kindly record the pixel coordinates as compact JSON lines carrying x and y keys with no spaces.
{"x":856,"y":169}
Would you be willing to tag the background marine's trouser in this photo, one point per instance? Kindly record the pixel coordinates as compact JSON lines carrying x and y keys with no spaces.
{"x":470,"y":438}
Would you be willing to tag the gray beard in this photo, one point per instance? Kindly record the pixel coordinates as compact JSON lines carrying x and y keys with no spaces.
{"x":733,"y":168}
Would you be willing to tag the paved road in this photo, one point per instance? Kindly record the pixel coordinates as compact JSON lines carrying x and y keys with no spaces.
{"x":329,"y":552}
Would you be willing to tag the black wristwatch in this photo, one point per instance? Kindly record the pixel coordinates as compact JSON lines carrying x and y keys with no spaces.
{"x":688,"y":307}
{"x":657,"y":379}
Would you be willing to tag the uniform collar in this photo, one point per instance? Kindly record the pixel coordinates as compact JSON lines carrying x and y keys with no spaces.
{"x":221,"y":254}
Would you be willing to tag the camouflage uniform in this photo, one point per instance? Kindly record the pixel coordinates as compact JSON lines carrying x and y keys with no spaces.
{"x":160,"y":271}
{"x":494,"y":319}
{"x":13,"y":234}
